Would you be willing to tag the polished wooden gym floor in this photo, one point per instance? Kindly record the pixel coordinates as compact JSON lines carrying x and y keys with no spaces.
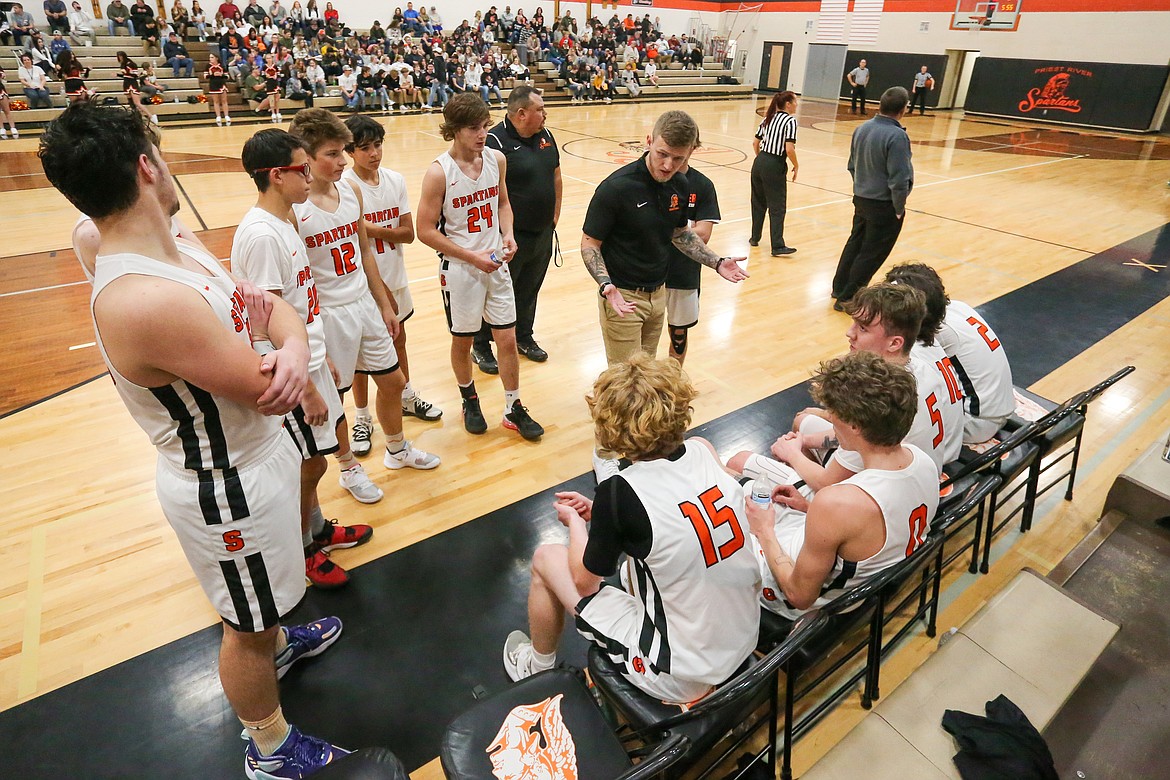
{"x":92,"y":576}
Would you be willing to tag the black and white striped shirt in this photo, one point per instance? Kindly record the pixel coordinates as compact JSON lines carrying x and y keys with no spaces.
{"x":775,"y":134}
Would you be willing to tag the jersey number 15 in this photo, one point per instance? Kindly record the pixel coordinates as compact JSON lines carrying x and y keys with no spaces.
{"x":707,"y":519}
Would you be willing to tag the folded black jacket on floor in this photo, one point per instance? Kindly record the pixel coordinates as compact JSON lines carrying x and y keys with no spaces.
{"x":1002,"y":745}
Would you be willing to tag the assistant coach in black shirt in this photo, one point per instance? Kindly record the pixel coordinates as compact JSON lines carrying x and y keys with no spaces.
{"x":637,"y":214}
{"x":534,"y":186}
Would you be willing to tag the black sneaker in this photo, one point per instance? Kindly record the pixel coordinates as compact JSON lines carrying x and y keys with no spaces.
{"x":518,"y":420}
{"x":532,"y":351}
{"x":473,"y":419}
{"x":485,"y":360}
{"x":784,"y":250}
{"x":753,"y":242}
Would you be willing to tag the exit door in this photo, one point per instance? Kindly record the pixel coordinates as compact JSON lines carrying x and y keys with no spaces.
{"x":774,"y":66}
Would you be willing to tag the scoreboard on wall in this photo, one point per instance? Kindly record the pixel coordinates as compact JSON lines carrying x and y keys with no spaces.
{"x":1000,"y":15}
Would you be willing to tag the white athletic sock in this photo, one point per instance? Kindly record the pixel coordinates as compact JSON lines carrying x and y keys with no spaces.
{"x":362,"y":413}
{"x":307,"y":538}
{"x":395,"y":442}
{"x":316,"y":521}
{"x":510,"y":398}
{"x":542,"y":662}
{"x":408,"y":393}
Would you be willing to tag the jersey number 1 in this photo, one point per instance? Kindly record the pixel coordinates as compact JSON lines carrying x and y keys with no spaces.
{"x":709,"y":518}
{"x":475,"y":214}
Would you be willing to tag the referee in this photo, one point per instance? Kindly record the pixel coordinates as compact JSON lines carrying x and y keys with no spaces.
{"x":534,"y":185}
{"x":635,"y":218}
{"x":775,"y":144}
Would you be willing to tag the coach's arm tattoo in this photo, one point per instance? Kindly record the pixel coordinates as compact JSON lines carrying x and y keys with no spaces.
{"x":594,"y":262}
{"x":693,"y":247}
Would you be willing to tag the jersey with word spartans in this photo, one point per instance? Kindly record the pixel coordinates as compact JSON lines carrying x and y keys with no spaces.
{"x":334,"y":248}
{"x":385,"y":205}
{"x":470,"y":214}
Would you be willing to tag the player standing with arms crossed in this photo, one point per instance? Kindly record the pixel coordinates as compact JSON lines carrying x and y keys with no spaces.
{"x":359,"y":317}
{"x":181,"y":339}
{"x":464,"y":215}
{"x":268,"y":252}
{"x":389,"y":225}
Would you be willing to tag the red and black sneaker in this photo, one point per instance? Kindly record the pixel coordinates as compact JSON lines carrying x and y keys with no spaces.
{"x":324,"y":573}
{"x":337,"y":537}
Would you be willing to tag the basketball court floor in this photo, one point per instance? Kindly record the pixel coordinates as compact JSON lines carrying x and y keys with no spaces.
{"x":107,"y":645}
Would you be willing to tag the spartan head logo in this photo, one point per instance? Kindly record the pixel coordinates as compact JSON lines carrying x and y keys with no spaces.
{"x":1056,"y":87}
{"x":534,"y":744}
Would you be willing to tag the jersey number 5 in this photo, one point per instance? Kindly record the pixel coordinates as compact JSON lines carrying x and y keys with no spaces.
{"x":935,"y":419}
{"x":475,"y":214}
{"x":343,"y":259}
{"x":709,"y":518}
{"x":919,"y":525}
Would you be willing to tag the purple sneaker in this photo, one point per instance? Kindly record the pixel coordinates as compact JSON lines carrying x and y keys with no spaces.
{"x":298,"y":756}
{"x":307,"y":641}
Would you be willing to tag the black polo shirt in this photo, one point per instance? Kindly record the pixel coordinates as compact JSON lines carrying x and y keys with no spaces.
{"x":635,"y":217}
{"x":532,"y":163}
{"x":683,"y":273}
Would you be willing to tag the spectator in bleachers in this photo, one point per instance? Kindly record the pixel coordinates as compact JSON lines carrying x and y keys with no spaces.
{"x":57,"y":15}
{"x":457,"y":81}
{"x":6,"y":110}
{"x":149,"y":33}
{"x":277,"y":12}
{"x":81,"y":26}
{"x":814,"y":551}
{"x":58,"y":44}
{"x":349,"y":91}
{"x":228,"y":9}
{"x":507,"y":20}
{"x":180,"y":19}
{"x":313,"y":14}
{"x":140,"y":11}
{"x":34,"y":82}
{"x":36,"y":48}
{"x":437,"y":72}
{"x":269,"y":32}
{"x":254,"y":14}
{"x":410,"y":19}
{"x":630,"y":79}
{"x":371,"y":88}
{"x":149,"y":84}
{"x":21,"y":23}
{"x":315,"y":77}
{"x":295,"y":87}
{"x":436,"y":20}
{"x":177,"y":57}
{"x":651,"y":73}
{"x":411,"y":94}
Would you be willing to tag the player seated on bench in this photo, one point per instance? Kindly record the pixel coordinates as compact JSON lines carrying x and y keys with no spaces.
{"x":686,"y":615}
{"x":811,"y":552}
{"x":887,"y":319}
{"x":973,"y":350}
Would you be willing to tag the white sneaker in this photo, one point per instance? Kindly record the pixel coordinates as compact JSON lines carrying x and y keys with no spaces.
{"x":3,"y":134}
{"x":279,"y":117}
{"x":227,"y":120}
{"x":15,"y":133}
{"x":219,"y":121}
{"x":154,"y":119}
{"x":359,"y":485}
{"x":409,"y":456}
{"x":604,"y":468}
{"x":363,"y":429}
{"x":518,"y":656}
{"x":417,"y":407}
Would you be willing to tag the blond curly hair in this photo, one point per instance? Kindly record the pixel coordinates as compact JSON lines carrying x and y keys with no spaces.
{"x":641,"y":407}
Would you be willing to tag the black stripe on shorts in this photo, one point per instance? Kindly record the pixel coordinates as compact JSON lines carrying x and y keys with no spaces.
{"x":235,"y":586}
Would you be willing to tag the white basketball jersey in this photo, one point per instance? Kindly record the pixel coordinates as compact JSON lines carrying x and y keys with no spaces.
{"x":385,"y":205}
{"x":937,"y":429}
{"x":176,"y":231}
{"x":190,"y":427}
{"x":949,"y":401}
{"x":267,"y":251}
{"x":979,"y":360}
{"x":335,"y":254}
{"x":470,"y":215}
{"x":699,"y":585}
{"x":908,"y":500}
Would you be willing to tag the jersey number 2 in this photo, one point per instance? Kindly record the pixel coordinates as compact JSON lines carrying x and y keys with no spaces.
{"x":709,"y":518}
{"x":984,"y":331}
{"x":343,"y":259}
{"x":475,"y":214}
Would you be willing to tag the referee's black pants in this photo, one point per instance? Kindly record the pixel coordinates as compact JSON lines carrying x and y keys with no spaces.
{"x":528,"y":268}
{"x":858,"y":94}
{"x":875,"y":231}
{"x":918,"y":97}
{"x":769,"y":194}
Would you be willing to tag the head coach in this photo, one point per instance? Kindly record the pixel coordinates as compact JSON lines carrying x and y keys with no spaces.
{"x":534,"y":185}
{"x":637,"y":214}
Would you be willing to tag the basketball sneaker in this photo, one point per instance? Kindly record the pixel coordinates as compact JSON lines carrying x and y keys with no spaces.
{"x":335,"y":536}
{"x":604,"y":468}
{"x":324,"y":573}
{"x":473,"y":419}
{"x":519,"y":420}
{"x":298,"y":756}
{"x":518,"y":656}
{"x":306,"y":641}
{"x":359,"y":485}
{"x":359,"y":440}
{"x":417,"y":407}
{"x":411,"y":457}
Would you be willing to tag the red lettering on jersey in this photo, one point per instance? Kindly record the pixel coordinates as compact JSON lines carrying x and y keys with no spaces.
{"x":239,"y":312}
{"x":769,"y":594}
{"x":639,"y":665}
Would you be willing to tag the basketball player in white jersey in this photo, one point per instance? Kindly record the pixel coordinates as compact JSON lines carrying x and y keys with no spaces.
{"x":359,"y":315}
{"x":181,"y":341}
{"x":974,"y":352}
{"x":886,"y":321}
{"x":678,"y":516}
{"x":464,"y":215}
{"x":268,"y":252}
{"x":854,"y":529}
{"x":390,"y":226}
{"x":87,"y":241}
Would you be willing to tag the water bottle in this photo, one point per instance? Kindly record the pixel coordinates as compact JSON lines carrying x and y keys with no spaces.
{"x":762,"y":490}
